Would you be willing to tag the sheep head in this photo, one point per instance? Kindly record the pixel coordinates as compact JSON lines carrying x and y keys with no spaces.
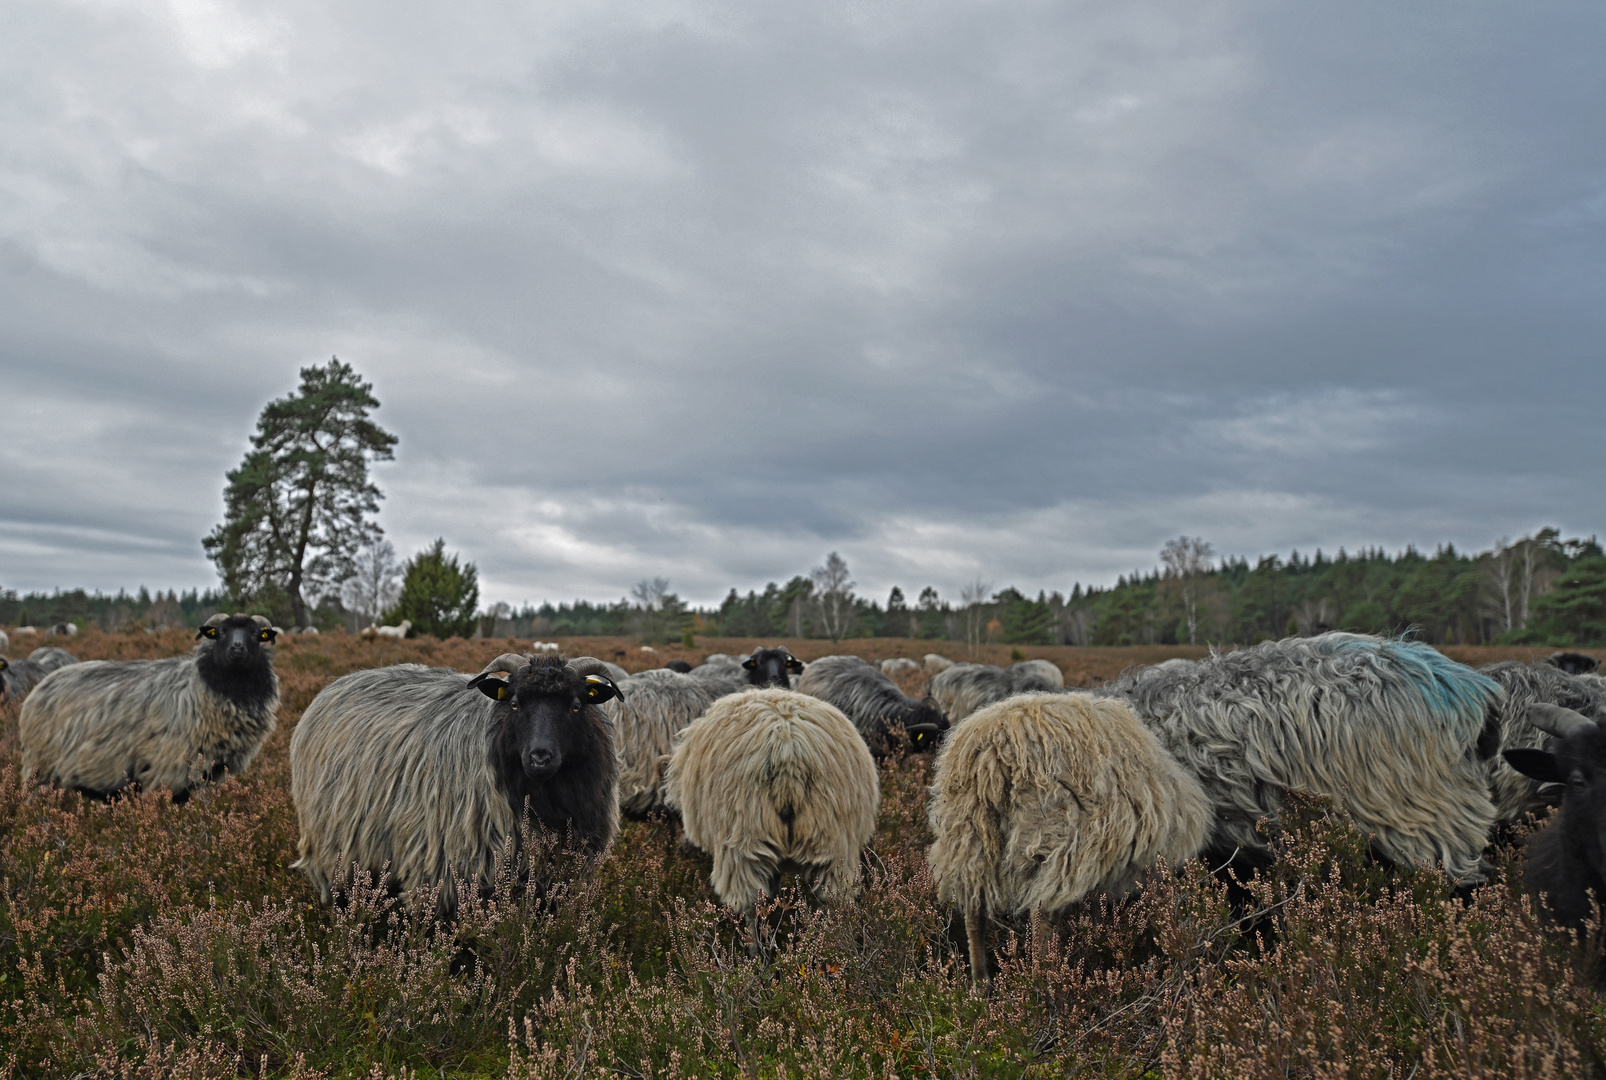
{"x":541,"y":707}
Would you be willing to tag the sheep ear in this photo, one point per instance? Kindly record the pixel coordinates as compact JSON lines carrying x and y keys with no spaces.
{"x":794,"y":665}
{"x":4,"y":663}
{"x":600,"y":688}
{"x":1537,"y":765}
{"x":750,"y":663}
{"x":487,"y":683}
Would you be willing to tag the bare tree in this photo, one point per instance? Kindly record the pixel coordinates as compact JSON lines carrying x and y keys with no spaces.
{"x":1188,"y":559}
{"x":833,"y":594}
{"x":374,"y":587}
{"x":973,"y":596}
{"x":656,"y":608}
{"x":1517,"y":572}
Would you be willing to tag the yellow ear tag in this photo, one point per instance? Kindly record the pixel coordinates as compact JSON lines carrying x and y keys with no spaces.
{"x":501,"y":693}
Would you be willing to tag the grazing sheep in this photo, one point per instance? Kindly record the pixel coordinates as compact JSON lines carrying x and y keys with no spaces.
{"x":369,"y":632}
{"x":935,"y":662}
{"x":654,"y":708}
{"x":1566,"y":864}
{"x":429,"y":772}
{"x":873,"y":702}
{"x":772,"y":667}
{"x":18,"y":678}
{"x":63,"y":629}
{"x":772,"y":781}
{"x":1389,"y":730}
{"x":395,"y":631}
{"x":678,"y":665}
{"x":648,"y":649}
{"x":1574,"y":663}
{"x":1515,"y":793}
{"x":103,"y":725}
{"x":26,"y":630}
{"x":722,"y":679}
{"x":51,"y":658}
{"x":897,"y":664}
{"x":1038,"y":800}
{"x":963,"y":688}
{"x":546,"y":646}
{"x":722,"y":658}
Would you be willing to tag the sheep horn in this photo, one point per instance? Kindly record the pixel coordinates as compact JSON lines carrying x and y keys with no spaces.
{"x":217,"y":620}
{"x":1556,"y":720}
{"x":261,"y":620}
{"x":509,"y":662}
{"x":590,"y":668}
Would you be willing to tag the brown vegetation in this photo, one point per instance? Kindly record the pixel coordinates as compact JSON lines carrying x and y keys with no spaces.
{"x":141,"y":939}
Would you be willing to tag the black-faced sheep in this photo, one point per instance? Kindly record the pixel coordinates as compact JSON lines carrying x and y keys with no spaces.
{"x":1566,"y":862}
{"x":873,"y":702}
{"x":1574,"y":663}
{"x":51,"y":658}
{"x":1038,"y":800}
{"x":963,"y":688}
{"x":655,"y":707}
{"x":103,"y":725}
{"x":680,"y":666}
{"x":1389,"y":730}
{"x":1523,"y":685}
{"x":772,"y":667}
{"x":769,"y":782}
{"x":430,"y":772}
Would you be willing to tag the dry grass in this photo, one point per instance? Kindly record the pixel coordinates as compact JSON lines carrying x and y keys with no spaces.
{"x":141,"y":939}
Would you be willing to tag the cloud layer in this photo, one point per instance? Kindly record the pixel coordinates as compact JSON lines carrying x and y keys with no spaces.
{"x":707,"y":291}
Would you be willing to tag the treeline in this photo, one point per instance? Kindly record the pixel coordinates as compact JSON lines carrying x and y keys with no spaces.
{"x":125,"y":611}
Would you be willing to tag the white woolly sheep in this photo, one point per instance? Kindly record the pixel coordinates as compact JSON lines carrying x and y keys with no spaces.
{"x":1041,"y":799}
{"x":429,"y":772}
{"x":103,"y":725}
{"x":771,"y":781}
{"x":897,"y":664}
{"x":395,"y":631}
{"x":935,"y":662}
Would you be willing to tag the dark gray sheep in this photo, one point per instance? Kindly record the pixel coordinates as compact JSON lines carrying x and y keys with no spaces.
{"x":51,"y":658}
{"x":1524,"y":685}
{"x":656,"y":705}
{"x":18,"y":678}
{"x":429,"y":771}
{"x":873,"y":702}
{"x":103,"y":725}
{"x":1389,"y":730}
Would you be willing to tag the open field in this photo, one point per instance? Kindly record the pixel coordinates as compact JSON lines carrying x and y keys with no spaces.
{"x":142,"y":939}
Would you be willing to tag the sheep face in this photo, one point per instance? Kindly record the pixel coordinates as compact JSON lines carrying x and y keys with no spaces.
{"x":542,"y":714}
{"x":235,"y":656}
{"x":1577,"y":760}
{"x":772,"y":667}
{"x":926,"y":726}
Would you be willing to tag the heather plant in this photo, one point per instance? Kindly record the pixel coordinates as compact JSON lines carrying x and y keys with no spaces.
{"x":141,"y":940}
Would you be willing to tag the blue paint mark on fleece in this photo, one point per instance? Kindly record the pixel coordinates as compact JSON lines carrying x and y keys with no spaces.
{"x":1448,"y":689}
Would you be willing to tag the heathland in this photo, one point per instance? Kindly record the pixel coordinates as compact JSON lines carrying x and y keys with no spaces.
{"x":145,"y":939}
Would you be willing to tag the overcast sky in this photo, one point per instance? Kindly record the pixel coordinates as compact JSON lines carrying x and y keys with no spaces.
{"x":708,"y":290}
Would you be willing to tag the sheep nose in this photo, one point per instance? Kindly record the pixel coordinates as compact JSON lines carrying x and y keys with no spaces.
{"x":538,"y":760}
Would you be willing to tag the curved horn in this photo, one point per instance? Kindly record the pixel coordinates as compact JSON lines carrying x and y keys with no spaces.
{"x":261,"y":620}
{"x":1556,"y":720}
{"x":217,"y":620}
{"x":509,"y":662}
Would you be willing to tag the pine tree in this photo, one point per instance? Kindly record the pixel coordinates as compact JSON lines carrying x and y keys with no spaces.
{"x":297,"y":508}
{"x":438,"y":595}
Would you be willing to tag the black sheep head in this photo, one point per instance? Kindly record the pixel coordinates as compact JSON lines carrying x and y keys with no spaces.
{"x":926,"y":726}
{"x":235,"y":642}
{"x":542,"y":707}
{"x":1576,"y":758}
{"x":1574,"y":663}
{"x":678,"y":665}
{"x":772,"y":667}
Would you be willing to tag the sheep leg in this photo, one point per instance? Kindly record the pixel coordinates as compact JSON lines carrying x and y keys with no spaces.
{"x":976,"y":934}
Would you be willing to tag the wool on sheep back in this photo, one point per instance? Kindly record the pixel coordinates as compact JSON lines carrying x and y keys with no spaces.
{"x":963,"y":688}
{"x":656,"y":705}
{"x":769,"y":781}
{"x":1041,"y":799}
{"x":1524,"y":685}
{"x":1389,"y":730}
{"x":101,"y":725}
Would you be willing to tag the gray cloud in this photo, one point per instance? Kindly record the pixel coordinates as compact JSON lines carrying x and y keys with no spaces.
{"x":707,"y":291}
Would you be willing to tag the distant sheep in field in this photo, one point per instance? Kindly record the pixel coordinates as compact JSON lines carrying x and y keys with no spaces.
{"x":873,"y":702}
{"x":765,"y":667}
{"x":50,"y":658}
{"x":429,"y":772}
{"x":1574,"y":663}
{"x":722,"y":658}
{"x":648,"y":649}
{"x":25,"y":630}
{"x":546,"y":647}
{"x":64,"y":629}
{"x":771,"y":781}
{"x":1389,"y":730}
{"x":897,"y":664}
{"x":1524,"y":685}
{"x":104,"y":725}
{"x":963,"y":688}
{"x":5,"y":642}
{"x":369,"y":632}
{"x":18,"y":678}
{"x":1039,"y":800}
{"x":395,"y":631}
{"x":656,"y":705}
{"x":680,"y":666}
{"x":934,"y":662}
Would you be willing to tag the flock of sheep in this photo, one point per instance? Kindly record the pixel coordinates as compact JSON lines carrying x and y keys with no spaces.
{"x":1040,"y":795}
